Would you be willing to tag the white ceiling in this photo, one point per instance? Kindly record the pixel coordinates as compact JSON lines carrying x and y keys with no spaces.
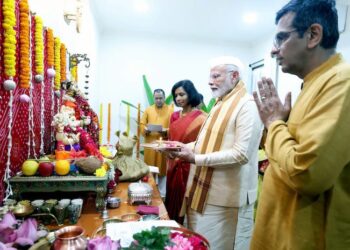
{"x":220,"y":20}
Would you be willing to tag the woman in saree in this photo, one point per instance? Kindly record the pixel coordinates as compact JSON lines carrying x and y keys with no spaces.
{"x":184,"y":127}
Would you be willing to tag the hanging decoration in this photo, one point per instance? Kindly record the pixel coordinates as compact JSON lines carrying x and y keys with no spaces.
{"x":24,"y":45}
{"x":39,"y":50}
{"x":57,"y":63}
{"x":7,"y":175}
{"x":50,"y":44}
{"x":74,"y":69}
{"x":101,"y":123}
{"x":9,"y":43}
{"x":63,"y":52}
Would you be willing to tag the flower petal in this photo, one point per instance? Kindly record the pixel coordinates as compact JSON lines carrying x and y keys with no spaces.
{"x":7,"y":221}
{"x":28,"y":229}
{"x":8,"y":235}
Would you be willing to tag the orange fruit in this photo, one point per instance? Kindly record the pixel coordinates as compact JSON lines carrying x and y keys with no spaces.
{"x":62,"y":167}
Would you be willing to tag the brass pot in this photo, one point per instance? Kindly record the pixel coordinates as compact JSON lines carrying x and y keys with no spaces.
{"x":70,"y":238}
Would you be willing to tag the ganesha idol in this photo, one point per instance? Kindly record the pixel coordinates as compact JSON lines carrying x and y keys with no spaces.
{"x":70,"y":135}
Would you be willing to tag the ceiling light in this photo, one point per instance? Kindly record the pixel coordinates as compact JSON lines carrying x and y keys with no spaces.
{"x":141,"y":6}
{"x":250,"y":17}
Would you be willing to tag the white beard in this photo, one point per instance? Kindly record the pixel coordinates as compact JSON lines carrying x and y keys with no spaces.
{"x":222,"y":90}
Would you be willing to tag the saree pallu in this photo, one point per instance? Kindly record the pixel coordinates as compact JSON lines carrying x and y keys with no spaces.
{"x":183,"y":129}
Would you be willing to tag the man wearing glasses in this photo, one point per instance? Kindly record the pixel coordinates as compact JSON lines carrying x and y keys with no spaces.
{"x":305,"y":199}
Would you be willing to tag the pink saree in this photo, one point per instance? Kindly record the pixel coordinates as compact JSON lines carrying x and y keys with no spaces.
{"x":183,"y":129}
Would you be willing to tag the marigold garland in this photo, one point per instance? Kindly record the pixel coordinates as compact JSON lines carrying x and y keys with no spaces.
{"x":74,"y":70}
{"x":57,"y":63}
{"x":39,"y":46}
{"x":24,"y":36}
{"x":63,"y":62}
{"x":9,"y":43}
{"x":50,"y":43}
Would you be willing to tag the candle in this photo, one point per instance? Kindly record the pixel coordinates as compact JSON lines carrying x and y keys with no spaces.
{"x":128,"y":119}
{"x":109,"y":124}
{"x":138,"y":131}
{"x":101,"y":122}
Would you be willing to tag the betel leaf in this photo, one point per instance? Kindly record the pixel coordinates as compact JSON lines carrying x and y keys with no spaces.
{"x":148,"y":89}
{"x":156,"y":239}
{"x":169,"y":99}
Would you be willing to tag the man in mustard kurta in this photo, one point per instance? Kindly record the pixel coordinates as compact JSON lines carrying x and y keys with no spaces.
{"x":305,"y":198}
{"x":157,"y":114}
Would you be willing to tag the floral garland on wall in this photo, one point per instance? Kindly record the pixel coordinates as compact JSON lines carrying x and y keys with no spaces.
{"x":57,"y":63}
{"x":63,"y":62}
{"x":74,"y":70}
{"x":50,"y":43}
{"x":24,"y":45}
{"x":39,"y":49}
{"x":9,"y":43}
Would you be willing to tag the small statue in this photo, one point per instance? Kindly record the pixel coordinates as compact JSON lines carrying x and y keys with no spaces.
{"x":132,"y":169}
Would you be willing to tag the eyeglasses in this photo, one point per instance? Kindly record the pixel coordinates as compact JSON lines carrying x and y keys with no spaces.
{"x":281,"y":37}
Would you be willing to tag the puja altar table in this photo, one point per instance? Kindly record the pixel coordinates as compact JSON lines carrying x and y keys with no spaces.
{"x":91,"y":220}
{"x":27,"y":184}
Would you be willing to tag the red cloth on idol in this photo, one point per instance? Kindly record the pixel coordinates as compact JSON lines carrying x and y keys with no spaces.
{"x":183,"y":129}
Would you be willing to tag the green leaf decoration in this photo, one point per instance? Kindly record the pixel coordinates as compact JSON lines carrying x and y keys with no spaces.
{"x":155,"y":239}
{"x":129,"y":104}
{"x":169,"y":99}
{"x":204,"y":108}
{"x":149,"y":91}
{"x":211,"y":104}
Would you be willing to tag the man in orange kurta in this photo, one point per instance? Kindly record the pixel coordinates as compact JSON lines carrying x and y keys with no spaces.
{"x":157,"y":114}
{"x":305,"y":198}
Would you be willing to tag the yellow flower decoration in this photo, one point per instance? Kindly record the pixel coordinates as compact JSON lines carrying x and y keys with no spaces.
{"x":63,"y":62}
{"x":9,"y":42}
{"x":39,"y":46}
{"x":57,"y":63}
{"x":50,"y":43}
{"x":100,"y":172}
{"x":24,"y":43}
{"x":74,"y":70}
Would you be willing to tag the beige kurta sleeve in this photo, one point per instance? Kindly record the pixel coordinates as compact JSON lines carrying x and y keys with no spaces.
{"x":315,"y":155}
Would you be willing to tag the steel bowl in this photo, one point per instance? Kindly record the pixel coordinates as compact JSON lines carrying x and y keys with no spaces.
{"x":130,"y":217}
{"x":111,"y":221}
{"x":22,"y":211}
{"x":147,"y":217}
{"x":113,"y":202}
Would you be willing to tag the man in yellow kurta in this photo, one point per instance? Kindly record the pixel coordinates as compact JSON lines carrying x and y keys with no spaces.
{"x":305,"y":198}
{"x":157,"y":114}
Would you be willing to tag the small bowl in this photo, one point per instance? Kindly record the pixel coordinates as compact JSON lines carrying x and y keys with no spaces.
{"x":113,"y":202}
{"x":130,"y":217}
{"x":100,"y":232}
{"x":147,"y":217}
{"x":22,"y":211}
{"x":10,"y":202}
{"x":111,"y":220}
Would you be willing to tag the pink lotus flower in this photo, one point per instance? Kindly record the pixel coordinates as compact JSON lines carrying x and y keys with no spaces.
{"x":103,"y":243}
{"x":25,"y":235}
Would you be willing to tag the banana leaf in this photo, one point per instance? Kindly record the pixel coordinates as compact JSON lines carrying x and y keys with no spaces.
{"x":169,"y":99}
{"x":129,"y":104}
{"x":148,"y":89}
{"x":210,"y":104}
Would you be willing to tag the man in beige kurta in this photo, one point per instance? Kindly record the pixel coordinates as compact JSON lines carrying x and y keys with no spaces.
{"x":305,"y":198}
{"x":157,"y":114}
{"x":222,"y":183}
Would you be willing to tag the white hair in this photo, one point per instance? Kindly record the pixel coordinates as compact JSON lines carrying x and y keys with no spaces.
{"x":232,"y":63}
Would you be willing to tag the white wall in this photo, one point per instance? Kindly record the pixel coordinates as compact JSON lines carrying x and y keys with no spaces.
{"x":126,"y":57}
{"x":84,"y":42}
